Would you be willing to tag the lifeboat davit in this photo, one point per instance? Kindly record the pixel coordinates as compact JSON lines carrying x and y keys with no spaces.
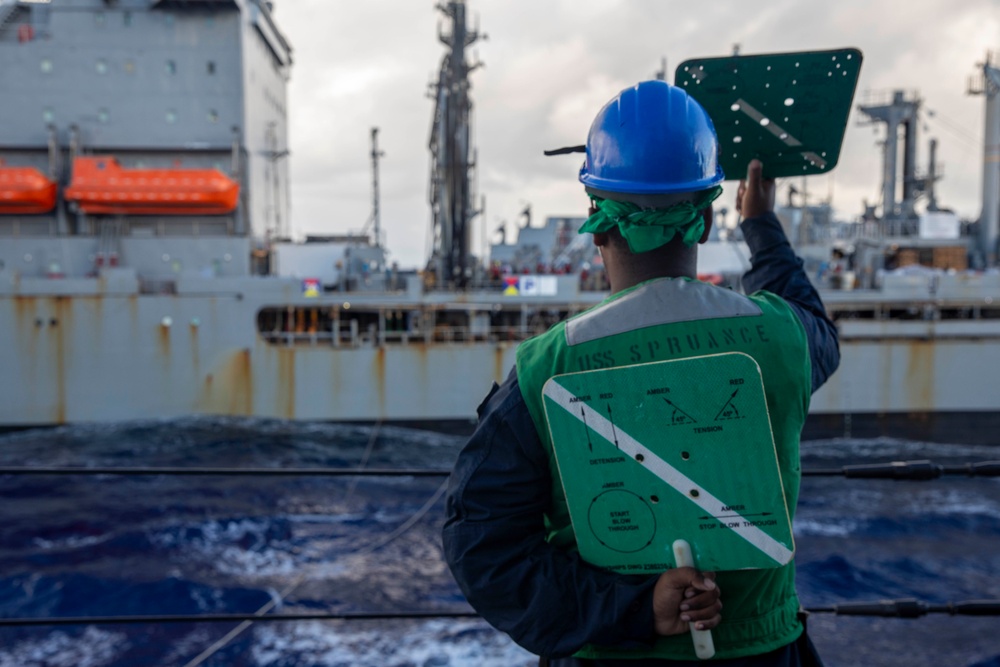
{"x":101,"y":185}
{"x":25,"y":190}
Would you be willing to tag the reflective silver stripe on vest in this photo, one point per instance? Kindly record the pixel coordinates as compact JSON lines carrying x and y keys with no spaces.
{"x":664,"y":301}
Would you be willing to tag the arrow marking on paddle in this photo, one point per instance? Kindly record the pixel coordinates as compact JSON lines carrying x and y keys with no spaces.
{"x":677,"y":409}
{"x":614,"y":434}
{"x":727,"y":405}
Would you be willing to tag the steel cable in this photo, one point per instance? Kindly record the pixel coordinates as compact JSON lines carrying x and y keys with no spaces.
{"x":922,"y":470}
{"x":902,"y":608}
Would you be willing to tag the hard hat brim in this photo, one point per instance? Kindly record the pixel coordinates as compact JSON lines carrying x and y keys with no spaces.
{"x":637,"y":187}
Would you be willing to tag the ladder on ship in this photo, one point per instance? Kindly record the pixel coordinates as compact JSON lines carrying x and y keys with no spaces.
{"x":8,"y":10}
{"x":109,"y":241}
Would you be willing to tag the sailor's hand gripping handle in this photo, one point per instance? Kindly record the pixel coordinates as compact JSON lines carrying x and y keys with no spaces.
{"x":704,"y":648}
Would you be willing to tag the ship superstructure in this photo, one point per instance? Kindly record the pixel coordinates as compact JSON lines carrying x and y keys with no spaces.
{"x":163,"y":125}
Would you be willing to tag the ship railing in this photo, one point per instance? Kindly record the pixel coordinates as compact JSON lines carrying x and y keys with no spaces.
{"x":873,"y":230}
{"x":350,"y":335}
{"x":501,"y":334}
{"x":917,"y":322}
{"x":884,"y":97}
{"x":292,"y":338}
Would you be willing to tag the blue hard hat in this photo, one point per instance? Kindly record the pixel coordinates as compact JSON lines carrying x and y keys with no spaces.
{"x":652,"y":138}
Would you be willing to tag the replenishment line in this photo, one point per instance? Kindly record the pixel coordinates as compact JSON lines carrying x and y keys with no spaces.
{"x":900,"y":470}
{"x":901,"y":608}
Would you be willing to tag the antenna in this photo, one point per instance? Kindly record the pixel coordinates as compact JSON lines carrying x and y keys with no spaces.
{"x":661,"y":74}
{"x":376,"y":216}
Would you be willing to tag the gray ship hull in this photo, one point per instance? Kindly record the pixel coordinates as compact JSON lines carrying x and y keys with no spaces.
{"x":98,"y":350}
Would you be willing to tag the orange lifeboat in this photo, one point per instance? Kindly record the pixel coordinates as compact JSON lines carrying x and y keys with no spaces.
{"x":25,"y":190}
{"x":101,"y":185}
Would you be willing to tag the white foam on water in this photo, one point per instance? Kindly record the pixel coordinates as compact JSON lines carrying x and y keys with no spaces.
{"x":438,"y":643}
{"x":224,"y":546}
{"x":94,"y":648}
{"x":71,"y":542}
{"x":872,"y":450}
{"x":238,"y":562}
{"x":326,"y":519}
{"x":832,"y":528}
{"x":940,"y":501}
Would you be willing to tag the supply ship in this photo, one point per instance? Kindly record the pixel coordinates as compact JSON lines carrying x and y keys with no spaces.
{"x":145,"y":271}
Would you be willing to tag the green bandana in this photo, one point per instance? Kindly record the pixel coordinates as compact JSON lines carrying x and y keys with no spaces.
{"x":648,"y":229}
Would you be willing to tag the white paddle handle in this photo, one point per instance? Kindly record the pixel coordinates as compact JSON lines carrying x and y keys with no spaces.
{"x":704,"y":648}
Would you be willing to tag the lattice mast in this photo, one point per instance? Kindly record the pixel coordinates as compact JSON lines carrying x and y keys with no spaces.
{"x":452,"y":154}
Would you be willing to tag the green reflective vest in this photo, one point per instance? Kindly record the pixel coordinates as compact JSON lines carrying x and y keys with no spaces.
{"x":677,"y":318}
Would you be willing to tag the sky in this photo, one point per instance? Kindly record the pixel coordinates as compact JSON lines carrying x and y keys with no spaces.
{"x":548,"y":68}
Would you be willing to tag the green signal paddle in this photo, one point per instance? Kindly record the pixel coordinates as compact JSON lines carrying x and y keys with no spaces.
{"x":672,"y":450}
{"x":790,"y":110}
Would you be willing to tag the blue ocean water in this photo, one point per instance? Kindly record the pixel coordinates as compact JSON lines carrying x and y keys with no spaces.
{"x":115,"y":545}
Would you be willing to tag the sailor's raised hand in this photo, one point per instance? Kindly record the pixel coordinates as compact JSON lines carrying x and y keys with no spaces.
{"x":755,"y":196}
{"x":683,"y":596}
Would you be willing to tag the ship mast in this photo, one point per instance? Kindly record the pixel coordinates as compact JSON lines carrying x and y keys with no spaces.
{"x":376,"y":214}
{"x":899,"y":112}
{"x":452,"y":155}
{"x":989,"y":220}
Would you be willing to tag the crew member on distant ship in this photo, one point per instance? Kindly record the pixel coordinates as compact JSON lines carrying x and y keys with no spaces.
{"x":651,"y":172}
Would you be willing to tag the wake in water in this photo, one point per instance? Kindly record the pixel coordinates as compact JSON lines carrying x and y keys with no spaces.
{"x":118,"y":545}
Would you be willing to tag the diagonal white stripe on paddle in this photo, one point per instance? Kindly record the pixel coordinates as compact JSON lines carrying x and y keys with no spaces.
{"x":666,"y":472}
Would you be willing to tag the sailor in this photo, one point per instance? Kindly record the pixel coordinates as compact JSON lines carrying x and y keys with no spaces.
{"x":652,"y":174}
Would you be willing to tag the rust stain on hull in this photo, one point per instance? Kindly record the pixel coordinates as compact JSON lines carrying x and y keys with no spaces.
{"x":286,"y":382}
{"x":163,"y":339}
{"x":228,"y":390}
{"x":41,"y":329}
{"x":27,"y":338}
{"x":59,"y":328}
{"x":24,"y":310}
{"x":498,"y":368}
{"x":920,"y":374}
{"x":423,"y":379}
{"x":195,"y":352}
{"x":380,"y":379}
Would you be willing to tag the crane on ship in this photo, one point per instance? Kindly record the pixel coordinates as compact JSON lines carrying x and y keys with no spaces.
{"x":453,"y":158}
